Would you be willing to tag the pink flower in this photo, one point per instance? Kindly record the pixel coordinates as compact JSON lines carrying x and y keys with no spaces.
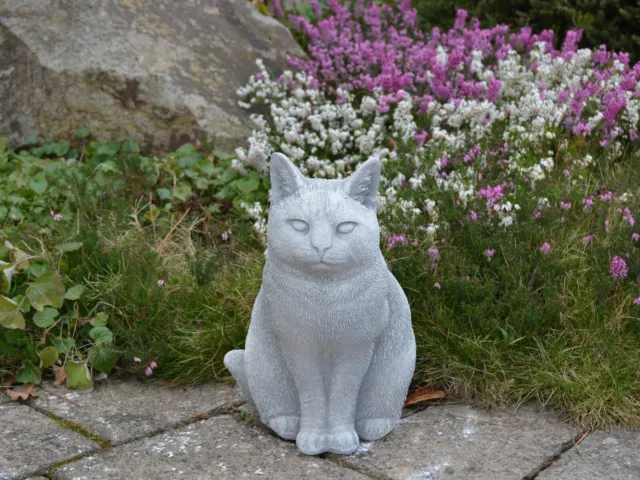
{"x":160,"y":283}
{"x":137,"y":359}
{"x":565,"y":205}
{"x":153,"y":364}
{"x":437,"y":285}
{"x":618,"y":268}
{"x":474,"y":216}
{"x":395,"y":238}
{"x":434,"y":254}
{"x":566,"y":172}
{"x":545,"y":248}
{"x":537,"y":215}
{"x":490,"y":252}
{"x":606,"y":197}
{"x":225,"y":235}
{"x":587,"y":204}
{"x":635,"y":236}
{"x":56,"y":216}
{"x":148,"y":371}
{"x":588,"y":239}
{"x":636,"y":301}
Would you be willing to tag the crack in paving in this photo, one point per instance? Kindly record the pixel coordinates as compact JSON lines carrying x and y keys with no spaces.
{"x":564,"y":448}
{"x":107,"y":444}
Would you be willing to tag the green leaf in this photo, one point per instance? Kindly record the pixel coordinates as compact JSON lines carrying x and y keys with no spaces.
{"x":102,"y":359}
{"x":227,"y":175}
{"x":188,"y":161}
{"x":182,"y":192}
{"x":16,"y":214}
{"x":4,"y":211}
{"x":130,"y":146}
{"x":78,"y":376}
{"x":249,"y":184}
{"x":70,"y":246}
{"x":100,"y":320}
{"x":23,"y":303}
{"x":46,"y":290}
{"x":28,"y":373}
{"x":164,"y":194}
{"x":263,"y":9}
{"x":63,"y":345}
{"x":39,"y":183}
{"x":224,"y":155}
{"x":83,"y":133}
{"x":45,"y":318}
{"x":37,"y":269}
{"x":32,"y":140}
{"x":108,"y":149}
{"x":48,"y":356}
{"x":202,"y":183}
{"x":206,"y":166}
{"x":101,"y":335}
{"x":10,"y":316}
{"x":61,"y":149}
{"x":75,"y":292}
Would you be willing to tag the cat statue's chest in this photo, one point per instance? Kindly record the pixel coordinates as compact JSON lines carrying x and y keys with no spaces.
{"x":327,"y":311}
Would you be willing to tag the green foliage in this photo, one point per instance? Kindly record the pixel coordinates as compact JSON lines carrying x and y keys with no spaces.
{"x":52,"y":184}
{"x":610,"y":22}
{"x":42,"y":323}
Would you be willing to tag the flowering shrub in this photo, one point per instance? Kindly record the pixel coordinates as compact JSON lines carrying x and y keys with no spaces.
{"x":454,"y":110}
{"x":508,"y":199}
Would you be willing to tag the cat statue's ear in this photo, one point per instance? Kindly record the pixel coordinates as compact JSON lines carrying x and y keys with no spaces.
{"x":362,"y":185}
{"x":286,"y":179}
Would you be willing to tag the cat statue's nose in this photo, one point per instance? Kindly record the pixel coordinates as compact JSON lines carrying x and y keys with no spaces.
{"x":321,"y":251}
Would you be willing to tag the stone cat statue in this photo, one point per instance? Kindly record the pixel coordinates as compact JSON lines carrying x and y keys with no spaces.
{"x":330,"y":351}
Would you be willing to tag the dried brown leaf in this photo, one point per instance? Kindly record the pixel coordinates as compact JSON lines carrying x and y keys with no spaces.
{"x":61,"y":375}
{"x":423,"y":394}
{"x":23,"y":392}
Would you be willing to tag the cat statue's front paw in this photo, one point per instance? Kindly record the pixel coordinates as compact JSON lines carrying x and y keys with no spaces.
{"x":285,"y":426}
{"x":312,"y":442}
{"x":343,"y":441}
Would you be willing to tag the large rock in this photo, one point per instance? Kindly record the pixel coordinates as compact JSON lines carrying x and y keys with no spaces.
{"x":161,"y":72}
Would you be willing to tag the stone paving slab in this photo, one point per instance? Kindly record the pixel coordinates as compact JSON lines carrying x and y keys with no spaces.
{"x":461,"y":442}
{"x":606,"y":455}
{"x":123,"y":410}
{"x":221,"y":447}
{"x":30,"y":442}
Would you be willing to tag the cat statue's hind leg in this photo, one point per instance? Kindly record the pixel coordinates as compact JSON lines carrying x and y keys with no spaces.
{"x":387,"y":381}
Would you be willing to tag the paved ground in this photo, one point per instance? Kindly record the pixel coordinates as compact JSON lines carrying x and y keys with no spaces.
{"x":128,"y":429}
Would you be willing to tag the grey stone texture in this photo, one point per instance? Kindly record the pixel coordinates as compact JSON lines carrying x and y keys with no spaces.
{"x":601,"y":455}
{"x":123,"y":410}
{"x":460,"y":442}
{"x":162,"y":72}
{"x":31,"y":443}
{"x":221,"y":447}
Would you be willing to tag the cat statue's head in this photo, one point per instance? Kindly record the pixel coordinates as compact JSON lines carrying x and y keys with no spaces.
{"x":323,"y":227}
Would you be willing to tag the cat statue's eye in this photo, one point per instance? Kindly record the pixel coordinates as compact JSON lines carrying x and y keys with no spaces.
{"x":299,"y":225}
{"x":346,"y":227}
